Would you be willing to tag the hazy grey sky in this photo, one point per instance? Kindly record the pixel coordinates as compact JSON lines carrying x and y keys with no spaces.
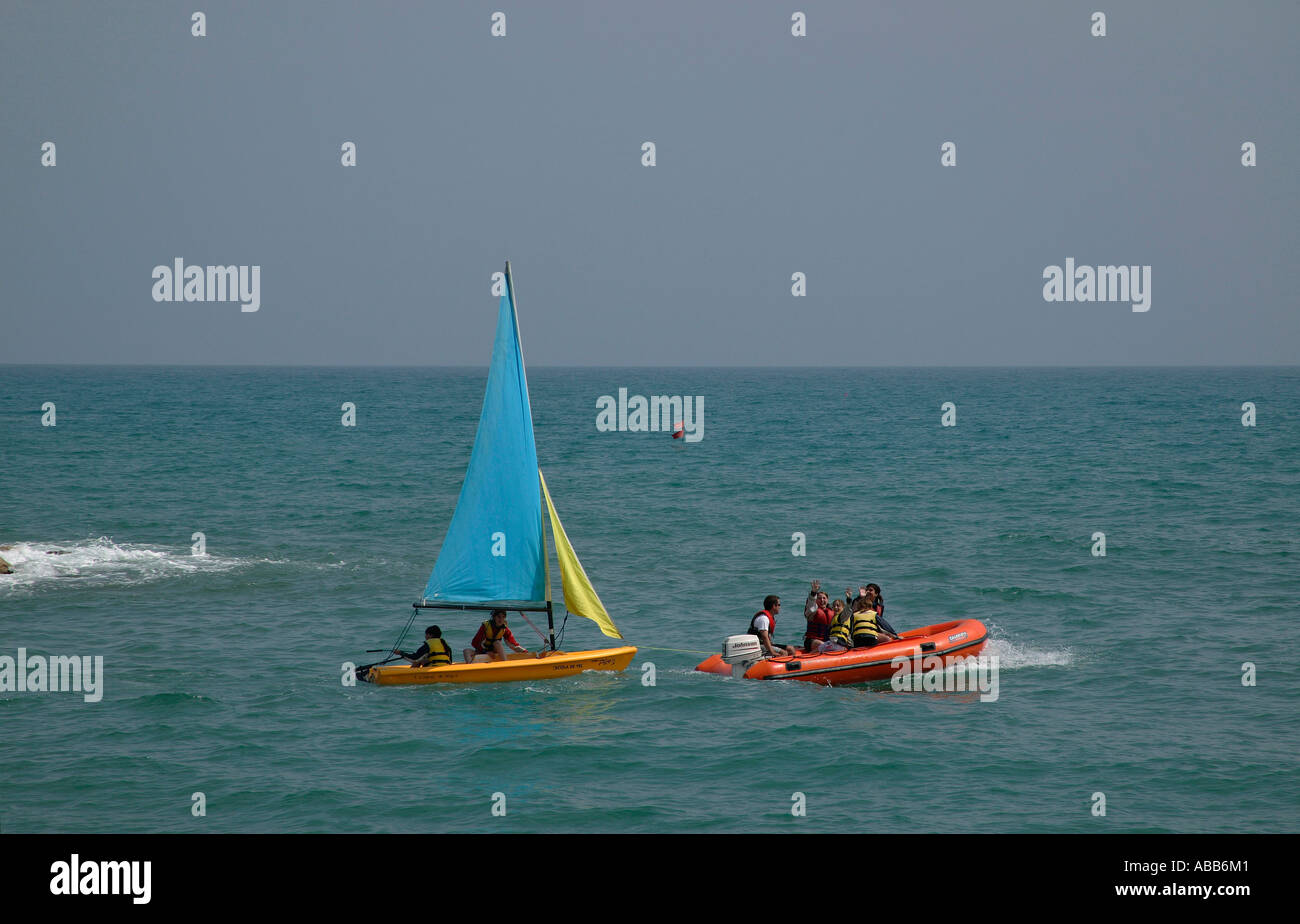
{"x":775,"y":154}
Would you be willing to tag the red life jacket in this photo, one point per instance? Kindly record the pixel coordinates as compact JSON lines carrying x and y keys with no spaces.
{"x":819,"y":626}
{"x":771,"y":623}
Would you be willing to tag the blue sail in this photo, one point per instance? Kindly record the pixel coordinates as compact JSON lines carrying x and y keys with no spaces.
{"x":493,"y":550}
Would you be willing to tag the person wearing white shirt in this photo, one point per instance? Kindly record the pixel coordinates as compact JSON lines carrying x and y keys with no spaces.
{"x":764,"y":625}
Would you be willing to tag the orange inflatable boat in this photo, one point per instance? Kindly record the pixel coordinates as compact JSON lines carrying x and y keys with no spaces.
{"x":928,"y":648}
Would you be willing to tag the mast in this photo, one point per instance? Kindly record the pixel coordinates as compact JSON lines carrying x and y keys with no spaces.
{"x":550,"y":610}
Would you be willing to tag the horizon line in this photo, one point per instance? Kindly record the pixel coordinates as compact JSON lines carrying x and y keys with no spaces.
{"x":819,"y":366}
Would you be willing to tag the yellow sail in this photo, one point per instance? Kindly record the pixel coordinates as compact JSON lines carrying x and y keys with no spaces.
{"x":579,"y":596}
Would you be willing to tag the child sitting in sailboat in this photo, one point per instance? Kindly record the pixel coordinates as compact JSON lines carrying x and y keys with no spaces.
{"x":433,"y":653}
{"x":492,"y":637}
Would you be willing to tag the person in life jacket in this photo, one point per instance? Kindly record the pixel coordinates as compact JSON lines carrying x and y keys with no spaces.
{"x":871,"y":593}
{"x":764,"y":625}
{"x":492,"y":637}
{"x":865,"y":624}
{"x":817,"y":613}
{"x":433,"y":653}
{"x":840,"y":637}
{"x":878,"y":601}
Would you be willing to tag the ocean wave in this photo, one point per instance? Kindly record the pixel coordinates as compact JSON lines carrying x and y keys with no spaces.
{"x":101,"y":562}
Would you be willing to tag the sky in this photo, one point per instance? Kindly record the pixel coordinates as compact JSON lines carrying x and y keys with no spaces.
{"x":774,"y":155}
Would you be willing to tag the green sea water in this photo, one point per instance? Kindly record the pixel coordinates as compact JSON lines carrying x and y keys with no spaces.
{"x":1120,"y":675}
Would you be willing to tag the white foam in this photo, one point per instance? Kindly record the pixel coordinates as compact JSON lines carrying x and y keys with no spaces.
{"x":100,"y":561}
{"x":1012,"y":656}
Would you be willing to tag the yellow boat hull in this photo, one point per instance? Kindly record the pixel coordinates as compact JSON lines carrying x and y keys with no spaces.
{"x":514,"y":667}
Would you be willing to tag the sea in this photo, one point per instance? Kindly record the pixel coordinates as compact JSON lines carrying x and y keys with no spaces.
{"x":1152,"y":688}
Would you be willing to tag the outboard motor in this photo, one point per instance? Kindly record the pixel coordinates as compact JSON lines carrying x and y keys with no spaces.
{"x":742,"y":652}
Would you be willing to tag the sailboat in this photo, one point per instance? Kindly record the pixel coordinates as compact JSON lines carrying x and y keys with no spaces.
{"x":495,"y":553}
